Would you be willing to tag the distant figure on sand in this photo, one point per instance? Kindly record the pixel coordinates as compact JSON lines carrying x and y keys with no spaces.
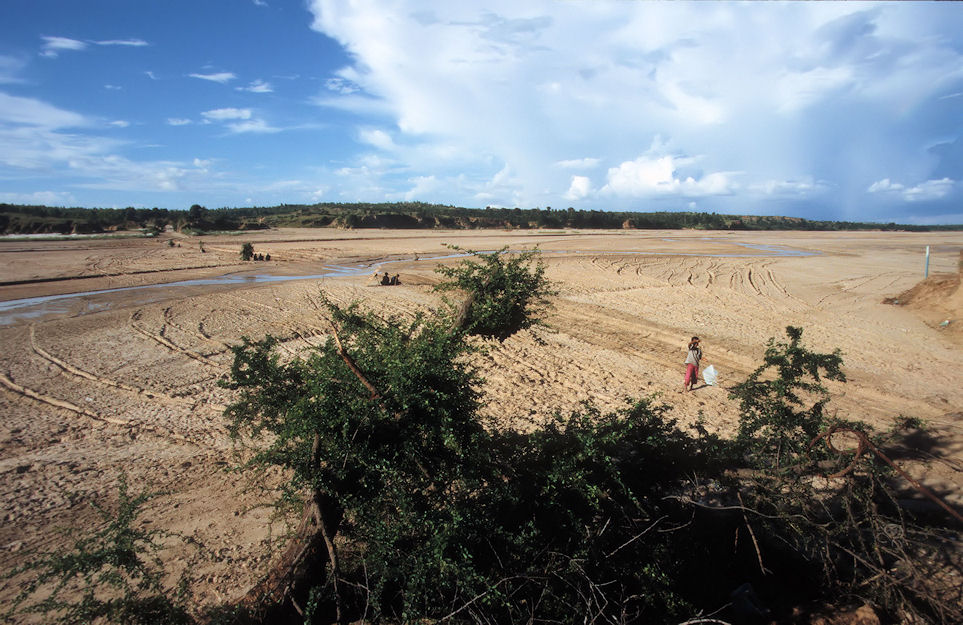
{"x":385,"y":280}
{"x":692,"y":364}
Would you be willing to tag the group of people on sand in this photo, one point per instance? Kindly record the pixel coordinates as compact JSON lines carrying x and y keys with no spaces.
{"x":389,"y":281}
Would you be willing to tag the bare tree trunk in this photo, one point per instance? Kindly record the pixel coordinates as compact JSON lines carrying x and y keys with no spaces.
{"x":316,"y":531}
{"x":293,"y":565}
{"x":328,"y":531}
{"x":323,"y":509}
{"x":464,"y":313}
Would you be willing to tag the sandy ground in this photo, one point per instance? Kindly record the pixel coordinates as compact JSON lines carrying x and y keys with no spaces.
{"x":127,"y":381}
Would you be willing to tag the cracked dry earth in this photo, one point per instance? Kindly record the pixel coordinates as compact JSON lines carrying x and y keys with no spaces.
{"x":127,"y":382}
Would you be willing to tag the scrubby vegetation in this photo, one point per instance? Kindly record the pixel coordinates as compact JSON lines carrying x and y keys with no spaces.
{"x":783,"y":402}
{"x":112,"y":575}
{"x":614,"y":517}
{"x":503,"y":292}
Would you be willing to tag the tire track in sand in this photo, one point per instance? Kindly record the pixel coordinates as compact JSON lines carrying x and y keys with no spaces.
{"x":135,"y":315}
{"x":169,"y":320}
{"x":76,"y":371}
{"x":12,"y":386}
{"x":26,"y":374}
{"x":43,"y":398}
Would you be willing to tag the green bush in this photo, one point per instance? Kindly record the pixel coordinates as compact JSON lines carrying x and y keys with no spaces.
{"x":110,"y":576}
{"x":577,"y":526}
{"x":782,"y":402}
{"x":391,"y":449}
{"x":848,"y":536}
{"x":505,"y":291}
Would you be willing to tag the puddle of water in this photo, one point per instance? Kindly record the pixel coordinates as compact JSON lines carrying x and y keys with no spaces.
{"x":50,"y":236}
{"x":87,"y":302}
{"x":27,"y":309}
{"x":777,"y":250}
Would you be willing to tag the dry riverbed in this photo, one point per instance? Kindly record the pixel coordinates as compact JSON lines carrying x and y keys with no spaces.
{"x":126,"y":382}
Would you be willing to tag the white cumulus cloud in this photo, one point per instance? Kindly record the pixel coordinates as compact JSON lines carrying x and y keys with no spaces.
{"x":765,"y":93}
{"x":884,"y":185}
{"x":257,"y":86}
{"x":422,"y":186}
{"x":378,"y":138}
{"x":648,"y":176}
{"x":219,"y":77}
{"x":238,"y":120}
{"x":579,"y":188}
{"x":924,"y":191}
{"x":226,"y":114}
{"x":929,"y":190}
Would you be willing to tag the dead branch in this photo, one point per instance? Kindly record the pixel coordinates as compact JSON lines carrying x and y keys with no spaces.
{"x":865,"y":444}
{"x":351,"y":365}
{"x":291,"y":566}
{"x":752,"y":535}
{"x":636,"y":537}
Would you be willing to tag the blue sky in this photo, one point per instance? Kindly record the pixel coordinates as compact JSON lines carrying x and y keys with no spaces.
{"x":826,"y":110}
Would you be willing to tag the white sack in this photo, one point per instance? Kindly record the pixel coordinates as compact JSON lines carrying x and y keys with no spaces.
{"x":709,"y":374}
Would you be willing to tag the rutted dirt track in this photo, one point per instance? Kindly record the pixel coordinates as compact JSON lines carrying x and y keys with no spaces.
{"x":133,"y":388}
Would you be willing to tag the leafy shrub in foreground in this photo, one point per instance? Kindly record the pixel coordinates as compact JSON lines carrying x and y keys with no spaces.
{"x":848,"y":535}
{"x":579,"y":529}
{"x":380,"y":424}
{"x":434,"y":513}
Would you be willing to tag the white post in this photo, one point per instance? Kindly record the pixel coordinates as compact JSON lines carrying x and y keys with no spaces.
{"x":926,"y":269}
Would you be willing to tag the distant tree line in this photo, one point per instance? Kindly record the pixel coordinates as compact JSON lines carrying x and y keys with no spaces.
{"x":423,"y":215}
{"x":15,"y":219}
{"x":20,"y":219}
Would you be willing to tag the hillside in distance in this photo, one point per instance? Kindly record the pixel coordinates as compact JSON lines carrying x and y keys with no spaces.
{"x":22,"y":219}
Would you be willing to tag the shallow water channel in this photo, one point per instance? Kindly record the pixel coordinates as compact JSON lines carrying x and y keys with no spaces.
{"x":85,"y":302}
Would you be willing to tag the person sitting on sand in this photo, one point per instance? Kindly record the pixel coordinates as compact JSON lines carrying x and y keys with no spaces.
{"x":385,"y":280}
{"x":692,"y":364}
{"x":395,"y":280}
